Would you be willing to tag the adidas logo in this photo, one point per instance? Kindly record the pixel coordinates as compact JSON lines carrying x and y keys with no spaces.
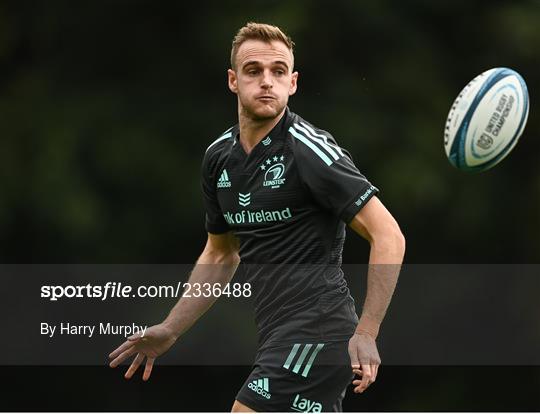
{"x":267,"y":141}
{"x":224,"y":181}
{"x":261,"y":387}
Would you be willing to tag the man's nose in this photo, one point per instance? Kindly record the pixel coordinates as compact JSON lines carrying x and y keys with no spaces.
{"x":267,"y":81}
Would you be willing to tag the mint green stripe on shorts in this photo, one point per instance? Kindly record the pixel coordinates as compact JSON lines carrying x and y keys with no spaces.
{"x":305,"y":353}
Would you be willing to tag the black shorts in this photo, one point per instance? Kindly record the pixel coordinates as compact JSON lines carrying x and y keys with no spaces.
{"x":301,"y":377}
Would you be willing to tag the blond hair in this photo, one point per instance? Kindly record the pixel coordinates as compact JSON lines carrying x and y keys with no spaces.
{"x":259,"y":31}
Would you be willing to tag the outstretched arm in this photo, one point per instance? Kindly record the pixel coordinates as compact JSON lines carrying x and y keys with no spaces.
{"x":217,"y":264}
{"x":375,"y":223}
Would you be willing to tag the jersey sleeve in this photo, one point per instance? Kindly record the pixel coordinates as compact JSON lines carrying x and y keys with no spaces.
{"x":215,"y":222}
{"x":330,"y":174}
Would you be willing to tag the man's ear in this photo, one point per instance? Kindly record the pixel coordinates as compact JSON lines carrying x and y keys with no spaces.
{"x":294,"y":84}
{"x":233,"y":80}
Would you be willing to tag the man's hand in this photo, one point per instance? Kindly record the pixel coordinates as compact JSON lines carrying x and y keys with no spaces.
{"x":157,"y":340}
{"x":365,"y":360}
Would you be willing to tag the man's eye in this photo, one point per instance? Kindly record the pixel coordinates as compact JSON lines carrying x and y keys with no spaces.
{"x":253,"y":72}
{"x":280,"y":72}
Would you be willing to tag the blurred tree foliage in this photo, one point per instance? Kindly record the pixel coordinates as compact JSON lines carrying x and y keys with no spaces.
{"x":106,"y":108}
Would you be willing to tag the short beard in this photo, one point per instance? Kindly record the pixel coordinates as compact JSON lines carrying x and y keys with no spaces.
{"x":261,"y":118}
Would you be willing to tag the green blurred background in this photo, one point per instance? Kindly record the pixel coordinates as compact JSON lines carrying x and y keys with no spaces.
{"x":106,"y":108}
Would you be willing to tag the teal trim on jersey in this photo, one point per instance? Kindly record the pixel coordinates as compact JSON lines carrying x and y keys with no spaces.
{"x":336,"y":147}
{"x":290,"y":358}
{"x":303,"y":355}
{"x":320,"y":141}
{"x":227,"y":135}
{"x":311,"y":145}
{"x":311,"y":359}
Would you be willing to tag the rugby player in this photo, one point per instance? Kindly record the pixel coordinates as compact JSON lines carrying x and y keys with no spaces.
{"x":278,"y":194}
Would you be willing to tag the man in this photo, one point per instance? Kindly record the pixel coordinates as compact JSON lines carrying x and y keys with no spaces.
{"x":278,"y":193}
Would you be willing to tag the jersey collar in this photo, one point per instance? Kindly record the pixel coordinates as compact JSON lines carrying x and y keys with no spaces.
{"x":279,"y":131}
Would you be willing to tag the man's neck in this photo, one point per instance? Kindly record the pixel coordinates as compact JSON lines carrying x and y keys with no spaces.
{"x":252,"y":131}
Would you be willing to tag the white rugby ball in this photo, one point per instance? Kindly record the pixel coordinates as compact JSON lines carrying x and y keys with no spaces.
{"x":486,"y":120}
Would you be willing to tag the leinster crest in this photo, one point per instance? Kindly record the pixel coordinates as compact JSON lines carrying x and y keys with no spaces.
{"x":274,"y":170}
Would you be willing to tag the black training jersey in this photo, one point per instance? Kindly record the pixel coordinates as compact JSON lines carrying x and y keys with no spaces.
{"x":288,"y":202}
